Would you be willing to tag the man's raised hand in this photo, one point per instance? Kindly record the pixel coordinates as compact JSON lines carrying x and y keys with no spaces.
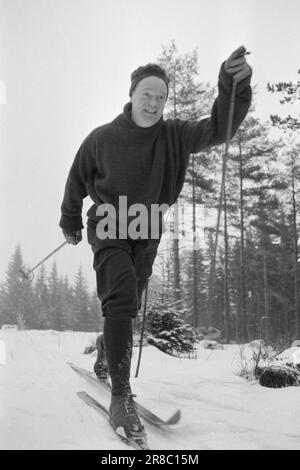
{"x":237,"y":66}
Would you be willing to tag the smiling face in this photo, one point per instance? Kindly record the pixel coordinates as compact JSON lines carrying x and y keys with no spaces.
{"x":148,"y":101}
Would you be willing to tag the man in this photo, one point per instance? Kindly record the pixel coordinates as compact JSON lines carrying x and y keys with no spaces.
{"x":143,"y":157}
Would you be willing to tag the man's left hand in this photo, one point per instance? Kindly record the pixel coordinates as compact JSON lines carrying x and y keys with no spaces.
{"x":72,"y":236}
{"x":237,"y":66}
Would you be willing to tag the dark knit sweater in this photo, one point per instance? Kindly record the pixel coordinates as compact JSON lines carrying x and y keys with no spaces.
{"x":145,"y":164}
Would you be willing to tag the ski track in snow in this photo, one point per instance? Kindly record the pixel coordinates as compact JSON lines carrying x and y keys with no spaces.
{"x":39,"y":408}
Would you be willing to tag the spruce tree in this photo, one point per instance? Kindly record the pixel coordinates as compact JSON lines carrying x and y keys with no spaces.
{"x":17,"y":300}
{"x":55,"y":310}
{"x":42,"y":299}
{"x":167,"y":330}
{"x":80,"y":303}
{"x":95,"y":319}
{"x":68,"y":321}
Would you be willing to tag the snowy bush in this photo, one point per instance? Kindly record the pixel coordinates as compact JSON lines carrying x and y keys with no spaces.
{"x":251,"y":355}
{"x":261,"y":362}
{"x":167,"y":330}
{"x":276,"y":376}
{"x":284,"y":371}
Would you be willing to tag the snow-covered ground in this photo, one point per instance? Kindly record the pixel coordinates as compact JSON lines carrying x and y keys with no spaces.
{"x":39,"y":408}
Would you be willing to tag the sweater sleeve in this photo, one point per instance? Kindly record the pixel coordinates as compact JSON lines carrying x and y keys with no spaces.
{"x":212,"y":130}
{"x":81,"y":171}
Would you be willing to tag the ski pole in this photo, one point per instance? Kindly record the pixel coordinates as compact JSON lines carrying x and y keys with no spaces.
{"x":142,"y":330}
{"x":225,"y":158}
{"x":30,"y":272}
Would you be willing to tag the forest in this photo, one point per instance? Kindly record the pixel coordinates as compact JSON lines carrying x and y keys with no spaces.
{"x":248,"y":285}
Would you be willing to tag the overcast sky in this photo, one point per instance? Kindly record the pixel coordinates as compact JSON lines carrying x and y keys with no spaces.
{"x":66,"y":66}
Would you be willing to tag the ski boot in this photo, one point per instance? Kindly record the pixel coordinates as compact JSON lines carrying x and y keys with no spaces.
{"x":125,"y":420}
{"x":100,"y":366}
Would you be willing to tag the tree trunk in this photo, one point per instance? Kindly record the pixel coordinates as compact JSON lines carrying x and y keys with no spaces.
{"x":176,"y":284}
{"x":195,"y":290}
{"x":227,"y":326}
{"x":266,"y":300}
{"x":295,"y":257}
{"x":243,"y":307}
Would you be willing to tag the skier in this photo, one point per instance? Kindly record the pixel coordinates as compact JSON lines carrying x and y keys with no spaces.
{"x":143,"y":157}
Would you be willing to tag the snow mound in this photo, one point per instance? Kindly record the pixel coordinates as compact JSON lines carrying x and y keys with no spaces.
{"x":290,"y":356}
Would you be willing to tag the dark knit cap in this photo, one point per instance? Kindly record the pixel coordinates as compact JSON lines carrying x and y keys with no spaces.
{"x":149,"y":70}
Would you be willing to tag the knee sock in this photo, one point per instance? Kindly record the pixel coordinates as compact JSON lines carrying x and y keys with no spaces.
{"x":118,"y":349}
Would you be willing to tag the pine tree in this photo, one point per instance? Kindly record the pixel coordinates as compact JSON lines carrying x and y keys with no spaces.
{"x":47,"y":301}
{"x":197,"y":191}
{"x":42,"y":299}
{"x":17,"y":301}
{"x":95,"y":319}
{"x":188,"y":99}
{"x":68,"y":321}
{"x":55,"y":310}
{"x":4,"y":316}
{"x":265,"y":213}
{"x":288,"y":174}
{"x":290,"y":93}
{"x":294,"y":167}
{"x":195,"y":267}
{"x":80,"y":303}
{"x":251,"y":151}
{"x":167,"y":330}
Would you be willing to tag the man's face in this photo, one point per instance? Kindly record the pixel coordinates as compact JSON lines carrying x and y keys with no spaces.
{"x":148,"y":101}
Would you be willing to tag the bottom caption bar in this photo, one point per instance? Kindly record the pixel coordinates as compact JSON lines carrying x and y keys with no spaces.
{"x":133,"y":459}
